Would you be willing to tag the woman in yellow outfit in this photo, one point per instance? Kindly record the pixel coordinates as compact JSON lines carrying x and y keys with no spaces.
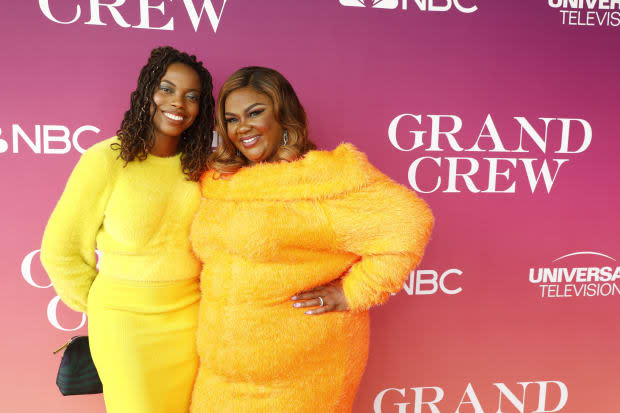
{"x":279,"y":220}
{"x":133,"y":198}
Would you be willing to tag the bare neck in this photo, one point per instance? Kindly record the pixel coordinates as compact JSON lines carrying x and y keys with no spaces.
{"x":165,"y":146}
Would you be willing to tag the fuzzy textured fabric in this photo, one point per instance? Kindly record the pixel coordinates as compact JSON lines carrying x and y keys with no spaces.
{"x":143,"y":302}
{"x":272,"y":230}
{"x":138,"y":215}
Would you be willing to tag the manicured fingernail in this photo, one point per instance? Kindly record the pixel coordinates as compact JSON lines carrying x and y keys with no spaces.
{"x":294,"y":297}
{"x":297,"y":305}
{"x":309,"y":312}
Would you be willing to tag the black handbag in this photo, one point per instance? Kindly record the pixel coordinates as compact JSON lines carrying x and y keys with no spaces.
{"x":77,"y":373}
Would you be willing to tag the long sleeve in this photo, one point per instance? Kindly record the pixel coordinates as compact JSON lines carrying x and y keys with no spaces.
{"x":68,"y":246}
{"x":388,"y":227}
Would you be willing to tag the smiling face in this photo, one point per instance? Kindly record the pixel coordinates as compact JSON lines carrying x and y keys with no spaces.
{"x":251,"y":124}
{"x":177,"y":98}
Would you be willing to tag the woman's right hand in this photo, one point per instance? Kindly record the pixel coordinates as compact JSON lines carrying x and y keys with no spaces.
{"x":326,"y":298}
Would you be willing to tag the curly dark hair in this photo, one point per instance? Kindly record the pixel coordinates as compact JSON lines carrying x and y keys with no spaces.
{"x":136,"y":134}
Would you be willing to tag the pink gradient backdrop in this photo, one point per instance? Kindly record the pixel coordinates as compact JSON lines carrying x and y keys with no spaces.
{"x":355,"y":69}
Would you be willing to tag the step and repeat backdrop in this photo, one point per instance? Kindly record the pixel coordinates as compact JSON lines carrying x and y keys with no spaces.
{"x":502,"y":115}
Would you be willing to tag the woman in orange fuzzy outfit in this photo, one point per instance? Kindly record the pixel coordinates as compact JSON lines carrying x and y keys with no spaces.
{"x":279,"y":220}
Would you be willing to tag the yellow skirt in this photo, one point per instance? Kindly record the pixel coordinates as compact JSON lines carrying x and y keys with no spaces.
{"x":143,"y":342}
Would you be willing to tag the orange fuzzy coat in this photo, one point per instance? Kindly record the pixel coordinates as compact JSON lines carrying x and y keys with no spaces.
{"x":273,"y":230}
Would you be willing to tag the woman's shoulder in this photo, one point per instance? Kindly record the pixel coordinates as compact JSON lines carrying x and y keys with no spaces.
{"x":345,"y":154}
{"x":102,"y":153}
{"x":104,"y":147}
{"x":346,"y":163}
{"x":319,"y":174}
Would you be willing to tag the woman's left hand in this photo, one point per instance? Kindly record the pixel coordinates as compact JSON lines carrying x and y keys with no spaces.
{"x":328,"y":297}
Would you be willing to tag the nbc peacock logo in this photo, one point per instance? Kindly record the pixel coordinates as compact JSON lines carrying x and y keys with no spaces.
{"x":422,"y":5}
{"x":378,"y":4}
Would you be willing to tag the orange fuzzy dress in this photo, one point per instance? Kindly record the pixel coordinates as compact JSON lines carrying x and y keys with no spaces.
{"x":272,"y":230}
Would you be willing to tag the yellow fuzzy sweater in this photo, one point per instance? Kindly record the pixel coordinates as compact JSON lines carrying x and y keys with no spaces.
{"x":273,"y":230}
{"x":138,"y":216}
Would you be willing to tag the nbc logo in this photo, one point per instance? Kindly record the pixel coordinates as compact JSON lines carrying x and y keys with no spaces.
{"x":423,"y":5}
{"x":379,"y":4}
{"x":47,"y":139}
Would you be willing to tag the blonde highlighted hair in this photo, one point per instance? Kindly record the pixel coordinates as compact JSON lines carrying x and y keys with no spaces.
{"x":288,"y":111}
